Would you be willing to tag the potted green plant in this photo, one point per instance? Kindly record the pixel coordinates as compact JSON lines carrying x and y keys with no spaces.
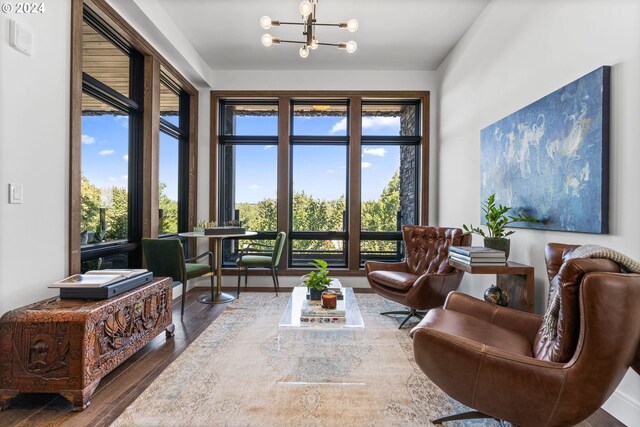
{"x":318,"y":280}
{"x":496,"y":220}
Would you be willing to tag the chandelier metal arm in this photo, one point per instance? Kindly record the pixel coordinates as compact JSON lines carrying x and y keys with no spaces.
{"x":313,"y":24}
{"x":293,"y":41}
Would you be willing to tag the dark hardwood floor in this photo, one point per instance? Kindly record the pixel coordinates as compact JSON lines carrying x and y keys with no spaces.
{"x":122,"y":386}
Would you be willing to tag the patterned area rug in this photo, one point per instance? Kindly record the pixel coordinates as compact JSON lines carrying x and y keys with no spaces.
{"x":237,"y":373}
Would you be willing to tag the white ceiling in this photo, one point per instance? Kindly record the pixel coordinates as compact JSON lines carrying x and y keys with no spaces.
{"x":393,"y":34}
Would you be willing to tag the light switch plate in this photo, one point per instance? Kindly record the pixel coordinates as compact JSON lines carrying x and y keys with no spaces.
{"x":15,"y":193}
{"x":20,"y":38}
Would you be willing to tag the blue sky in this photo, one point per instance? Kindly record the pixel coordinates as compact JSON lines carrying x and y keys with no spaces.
{"x":105,"y":158}
{"x":318,"y":170}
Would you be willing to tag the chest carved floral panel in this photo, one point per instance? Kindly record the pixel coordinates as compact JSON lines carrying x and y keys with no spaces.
{"x":66,"y":346}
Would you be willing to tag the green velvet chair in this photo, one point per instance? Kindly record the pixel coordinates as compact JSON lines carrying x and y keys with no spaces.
{"x":165,"y":257}
{"x":256,"y":255}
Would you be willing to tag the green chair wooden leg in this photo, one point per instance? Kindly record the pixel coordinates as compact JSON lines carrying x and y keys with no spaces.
{"x":246,"y":276}
{"x":239,"y":277}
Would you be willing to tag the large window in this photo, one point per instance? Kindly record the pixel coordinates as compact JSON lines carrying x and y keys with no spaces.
{"x":340,"y":174}
{"x":132,"y":143}
{"x":111,"y":135}
{"x":389,"y":179}
{"x":174,"y":150}
{"x":248,"y":169}
{"x":319,"y":168}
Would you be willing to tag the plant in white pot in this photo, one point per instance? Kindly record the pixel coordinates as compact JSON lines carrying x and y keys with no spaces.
{"x":496,"y":220}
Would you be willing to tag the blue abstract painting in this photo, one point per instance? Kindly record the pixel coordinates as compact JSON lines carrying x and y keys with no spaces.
{"x":550,"y":159}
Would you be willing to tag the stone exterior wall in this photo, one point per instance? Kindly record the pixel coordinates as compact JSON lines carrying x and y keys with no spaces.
{"x":408,"y":169}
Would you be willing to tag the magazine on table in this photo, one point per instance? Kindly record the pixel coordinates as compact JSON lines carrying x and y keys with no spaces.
{"x":97,"y":278}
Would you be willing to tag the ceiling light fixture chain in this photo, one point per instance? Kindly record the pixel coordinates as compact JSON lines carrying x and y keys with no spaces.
{"x":309,"y":23}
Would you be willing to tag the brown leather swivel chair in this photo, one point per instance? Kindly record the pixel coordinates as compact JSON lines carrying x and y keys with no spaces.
{"x":425,"y":278}
{"x":497,"y":361}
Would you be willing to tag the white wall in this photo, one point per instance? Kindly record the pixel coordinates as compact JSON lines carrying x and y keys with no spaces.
{"x":34,"y":151}
{"x":514,"y":54}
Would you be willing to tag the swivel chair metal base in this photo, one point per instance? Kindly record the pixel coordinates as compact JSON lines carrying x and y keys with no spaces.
{"x":411,"y":313}
{"x":471,"y":415}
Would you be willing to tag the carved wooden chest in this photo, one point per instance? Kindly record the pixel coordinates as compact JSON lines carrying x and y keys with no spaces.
{"x":66,"y":346}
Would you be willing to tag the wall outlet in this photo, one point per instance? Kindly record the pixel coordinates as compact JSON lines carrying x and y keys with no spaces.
{"x":15,"y":193}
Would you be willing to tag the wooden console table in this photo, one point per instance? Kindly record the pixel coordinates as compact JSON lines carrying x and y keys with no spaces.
{"x":515,"y":278}
{"x":67,"y":346}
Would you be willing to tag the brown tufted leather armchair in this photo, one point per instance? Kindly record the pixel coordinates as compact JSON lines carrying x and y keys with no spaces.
{"x":496,"y":359}
{"x":423,"y":280}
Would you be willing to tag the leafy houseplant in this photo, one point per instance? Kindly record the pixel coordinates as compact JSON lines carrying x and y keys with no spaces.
{"x":317,"y":281}
{"x":497,"y":219}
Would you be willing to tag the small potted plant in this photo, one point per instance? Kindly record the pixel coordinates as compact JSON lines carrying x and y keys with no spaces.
{"x":496,"y":220}
{"x":318,"y":280}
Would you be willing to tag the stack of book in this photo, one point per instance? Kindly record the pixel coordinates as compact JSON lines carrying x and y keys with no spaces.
{"x":477,"y":256}
{"x":313,"y":312}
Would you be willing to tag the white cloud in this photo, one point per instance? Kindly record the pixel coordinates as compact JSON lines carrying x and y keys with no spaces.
{"x":269,"y":147}
{"x":366,"y":165}
{"x":380,"y":152}
{"x":340,"y":126}
{"x":368,"y":123}
{"x":124,"y":123}
{"x":124,"y":177}
{"x":330,"y":171}
{"x":106,"y":152}
{"x":112,"y":178}
{"x":380,"y":122}
{"x":254,"y":187}
{"x":86,"y":139}
{"x":125,"y":157}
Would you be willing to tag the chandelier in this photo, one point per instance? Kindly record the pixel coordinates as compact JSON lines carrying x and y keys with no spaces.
{"x":310,"y":42}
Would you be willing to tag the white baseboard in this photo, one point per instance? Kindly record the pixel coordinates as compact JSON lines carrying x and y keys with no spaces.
{"x":624,"y":407}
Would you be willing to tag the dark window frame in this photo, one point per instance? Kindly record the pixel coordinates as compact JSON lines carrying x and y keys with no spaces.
{"x":317,"y":140}
{"x":181,"y":134}
{"x":132,"y":107}
{"x":284,"y":97}
{"x":153,"y":64}
{"x":376,"y":140}
{"x":239,"y":140}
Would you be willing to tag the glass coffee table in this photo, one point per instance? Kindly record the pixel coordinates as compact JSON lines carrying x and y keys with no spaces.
{"x":320,"y":352}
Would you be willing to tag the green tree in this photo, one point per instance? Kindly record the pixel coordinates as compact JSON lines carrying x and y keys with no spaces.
{"x":169,"y":223}
{"x":89,"y":205}
{"x":266,"y":215}
{"x":382,"y":215}
{"x":117,"y":214}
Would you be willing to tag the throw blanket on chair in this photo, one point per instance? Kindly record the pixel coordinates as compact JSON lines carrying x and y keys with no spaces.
{"x":627,"y":264}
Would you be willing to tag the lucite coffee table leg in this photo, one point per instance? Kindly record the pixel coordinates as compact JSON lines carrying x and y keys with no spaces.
{"x":219,"y":297}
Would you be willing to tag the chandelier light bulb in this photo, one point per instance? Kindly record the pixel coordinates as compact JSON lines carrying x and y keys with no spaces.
{"x":351,"y":46}
{"x":314,"y":44}
{"x":267,"y":40}
{"x":305,"y":8}
{"x":352,"y":25}
{"x":265,"y":22}
{"x":304,"y":52}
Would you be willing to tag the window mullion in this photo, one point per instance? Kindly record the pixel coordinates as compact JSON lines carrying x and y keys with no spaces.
{"x":284,"y":171}
{"x":355,"y":170}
